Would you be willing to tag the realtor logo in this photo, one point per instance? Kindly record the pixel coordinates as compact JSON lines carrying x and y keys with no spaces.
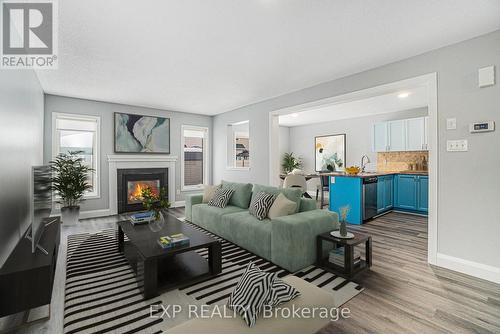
{"x":28,"y":34}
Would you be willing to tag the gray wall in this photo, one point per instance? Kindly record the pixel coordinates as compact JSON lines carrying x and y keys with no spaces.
{"x":106,"y":110}
{"x":468,"y":187}
{"x":21,"y":111}
{"x":284,"y":141}
{"x":358,"y":137}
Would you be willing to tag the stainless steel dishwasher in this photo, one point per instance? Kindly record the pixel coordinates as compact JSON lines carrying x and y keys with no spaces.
{"x":369,"y":200}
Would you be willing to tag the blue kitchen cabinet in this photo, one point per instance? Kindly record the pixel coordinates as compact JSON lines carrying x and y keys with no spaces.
{"x":388,"y":192}
{"x":411,"y":192}
{"x":423,"y":194}
{"x":347,"y":191}
{"x":405,"y":195}
{"x":380,"y":195}
{"x":385,"y":191}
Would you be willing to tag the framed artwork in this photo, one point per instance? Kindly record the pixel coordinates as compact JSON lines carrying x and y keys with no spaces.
{"x":141,"y":134}
{"x":329,"y":153}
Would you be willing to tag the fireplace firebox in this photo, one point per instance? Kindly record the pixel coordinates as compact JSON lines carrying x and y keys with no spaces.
{"x":131,"y":182}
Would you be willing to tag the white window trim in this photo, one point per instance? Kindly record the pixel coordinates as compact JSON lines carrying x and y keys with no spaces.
{"x":206,"y":149}
{"x":96,"y":194}
{"x":233,"y":166}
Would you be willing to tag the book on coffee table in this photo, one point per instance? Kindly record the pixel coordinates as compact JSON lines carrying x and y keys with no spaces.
{"x":141,"y":217}
{"x":173,"y":240}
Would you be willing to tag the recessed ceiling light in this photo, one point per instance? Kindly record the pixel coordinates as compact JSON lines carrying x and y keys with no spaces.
{"x":295,"y":115}
{"x":403,"y":95}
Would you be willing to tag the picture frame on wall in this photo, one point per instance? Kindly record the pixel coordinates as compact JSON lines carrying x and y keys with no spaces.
{"x":141,"y":134}
{"x":330,"y":152}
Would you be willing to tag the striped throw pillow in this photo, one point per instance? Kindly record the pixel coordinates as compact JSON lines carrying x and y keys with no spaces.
{"x":221,"y":197}
{"x":260,"y":205}
{"x":251,"y":293}
{"x":281,"y":292}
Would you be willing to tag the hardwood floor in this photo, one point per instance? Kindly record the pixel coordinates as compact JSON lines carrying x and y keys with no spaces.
{"x":403,"y":294}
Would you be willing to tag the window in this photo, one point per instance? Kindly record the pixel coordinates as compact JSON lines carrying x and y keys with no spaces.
{"x":194,"y":157}
{"x":238,"y":145}
{"x":79,"y":133}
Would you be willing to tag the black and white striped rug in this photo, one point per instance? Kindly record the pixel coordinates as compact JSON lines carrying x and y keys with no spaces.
{"x":102,"y":294}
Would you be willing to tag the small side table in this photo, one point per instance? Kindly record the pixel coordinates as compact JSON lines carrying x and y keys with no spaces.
{"x":349,"y":270}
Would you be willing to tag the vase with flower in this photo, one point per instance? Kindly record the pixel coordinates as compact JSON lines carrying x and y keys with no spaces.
{"x":157,"y":203}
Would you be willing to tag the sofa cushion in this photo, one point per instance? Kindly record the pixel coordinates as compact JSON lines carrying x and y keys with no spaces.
{"x":248,"y":232}
{"x":242,"y":193}
{"x":210,"y":217}
{"x":311,"y":296}
{"x":221,"y":197}
{"x":251,"y":293}
{"x":293,"y":194}
{"x":282,"y":206}
{"x":260,"y":205}
{"x":209,"y":192}
{"x":281,"y":292}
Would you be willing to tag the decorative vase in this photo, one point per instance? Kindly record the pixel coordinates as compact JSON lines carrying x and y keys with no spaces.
{"x":70,"y":215}
{"x":343,"y":228}
{"x":156,"y":224}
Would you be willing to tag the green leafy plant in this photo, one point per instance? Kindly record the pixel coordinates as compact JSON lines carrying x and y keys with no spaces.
{"x":290,"y":162}
{"x":155,"y":202}
{"x":70,"y":177}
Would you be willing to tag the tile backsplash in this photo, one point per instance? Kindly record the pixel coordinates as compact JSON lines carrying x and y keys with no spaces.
{"x":402,"y":161}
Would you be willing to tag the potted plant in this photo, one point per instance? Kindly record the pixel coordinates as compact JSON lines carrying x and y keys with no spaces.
{"x":155,"y":203}
{"x":290,"y":162}
{"x":70,"y":182}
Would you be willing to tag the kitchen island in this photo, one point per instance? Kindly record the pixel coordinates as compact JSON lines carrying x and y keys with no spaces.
{"x":374,"y":193}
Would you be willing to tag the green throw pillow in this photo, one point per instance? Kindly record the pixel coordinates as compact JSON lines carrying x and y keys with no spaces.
{"x":242,"y":193}
{"x":293,"y":194}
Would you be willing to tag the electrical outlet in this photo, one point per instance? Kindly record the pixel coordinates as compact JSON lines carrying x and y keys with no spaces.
{"x":457,"y":145}
{"x":178,"y":192}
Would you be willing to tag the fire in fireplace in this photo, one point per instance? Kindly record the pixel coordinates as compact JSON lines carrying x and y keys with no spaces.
{"x":131,"y":182}
{"x":134,"y":190}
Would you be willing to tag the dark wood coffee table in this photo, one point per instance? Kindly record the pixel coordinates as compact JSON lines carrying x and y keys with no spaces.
{"x":349,"y":270}
{"x":165,"y":269}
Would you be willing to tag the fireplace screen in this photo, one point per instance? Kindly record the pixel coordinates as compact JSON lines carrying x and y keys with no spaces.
{"x":134,"y":190}
{"x":131,"y":182}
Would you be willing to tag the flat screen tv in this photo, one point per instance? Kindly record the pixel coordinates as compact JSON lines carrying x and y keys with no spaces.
{"x":41,"y":202}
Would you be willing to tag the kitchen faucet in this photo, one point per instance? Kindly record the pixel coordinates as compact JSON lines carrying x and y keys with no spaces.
{"x":363,"y":165}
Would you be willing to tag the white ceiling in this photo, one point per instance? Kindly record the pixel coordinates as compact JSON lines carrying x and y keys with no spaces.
{"x":381,"y":104}
{"x":213,"y":56}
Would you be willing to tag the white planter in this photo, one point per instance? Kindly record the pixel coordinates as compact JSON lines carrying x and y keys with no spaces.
{"x":70,"y":215}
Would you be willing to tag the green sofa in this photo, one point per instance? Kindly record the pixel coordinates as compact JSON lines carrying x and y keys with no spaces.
{"x":288,"y":241}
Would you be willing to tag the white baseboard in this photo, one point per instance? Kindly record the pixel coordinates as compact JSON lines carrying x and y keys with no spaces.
{"x":95,"y":213}
{"x":472,"y":268}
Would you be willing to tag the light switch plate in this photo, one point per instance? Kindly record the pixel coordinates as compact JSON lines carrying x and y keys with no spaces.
{"x":457,"y":145}
{"x":451,"y":124}
{"x":486,"y":76}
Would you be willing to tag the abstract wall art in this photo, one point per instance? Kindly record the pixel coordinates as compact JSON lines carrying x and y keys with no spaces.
{"x":141,"y":134}
{"x":330,"y":153}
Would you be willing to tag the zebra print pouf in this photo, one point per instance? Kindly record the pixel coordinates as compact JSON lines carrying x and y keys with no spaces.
{"x":102,"y":294}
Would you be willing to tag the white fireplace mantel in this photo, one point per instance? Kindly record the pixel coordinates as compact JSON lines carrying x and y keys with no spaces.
{"x":141,"y":157}
{"x":125,"y":161}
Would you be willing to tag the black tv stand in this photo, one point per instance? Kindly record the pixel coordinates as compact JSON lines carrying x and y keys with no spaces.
{"x":27,"y":278}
